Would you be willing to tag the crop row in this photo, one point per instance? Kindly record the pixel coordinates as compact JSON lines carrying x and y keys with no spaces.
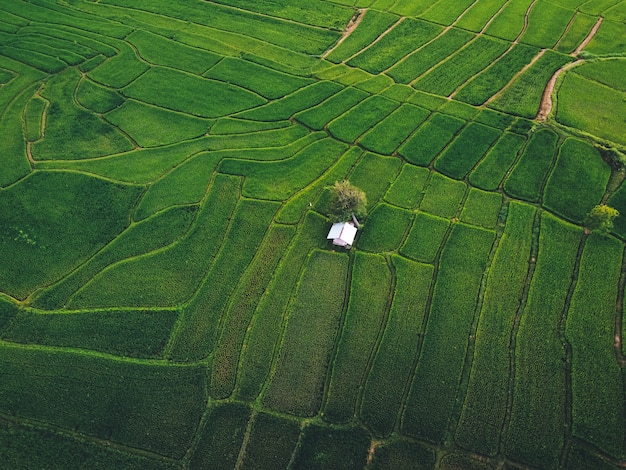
{"x":313,"y":321}
{"x":241,"y":309}
{"x":597,"y":389}
{"x":152,"y":407}
{"x":448,"y":75}
{"x":536,"y":429}
{"x":407,"y":35}
{"x":202,"y":317}
{"x":435,"y":384}
{"x":367,"y":311}
{"x":485,"y":402}
{"x":267,"y":322}
{"x":580,"y":166}
{"x":429,"y":55}
{"x":393,"y":364}
{"x":169,"y":276}
{"x":134,"y":333}
{"x":523,"y":96}
{"x":373,"y":24}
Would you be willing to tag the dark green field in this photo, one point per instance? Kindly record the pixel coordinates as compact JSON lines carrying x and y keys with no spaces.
{"x":168,"y":297}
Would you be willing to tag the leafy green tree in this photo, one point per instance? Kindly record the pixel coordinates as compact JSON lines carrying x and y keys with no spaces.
{"x":346,"y":201}
{"x":600,"y":218}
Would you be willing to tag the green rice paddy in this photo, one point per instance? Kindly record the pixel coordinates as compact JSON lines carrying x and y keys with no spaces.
{"x":168,"y":297}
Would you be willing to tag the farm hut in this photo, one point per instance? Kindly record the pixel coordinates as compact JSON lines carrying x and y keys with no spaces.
{"x":342,"y":234}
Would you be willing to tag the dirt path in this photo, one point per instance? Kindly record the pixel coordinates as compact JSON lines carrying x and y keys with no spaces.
{"x":546,"y":99}
{"x":352,"y":24}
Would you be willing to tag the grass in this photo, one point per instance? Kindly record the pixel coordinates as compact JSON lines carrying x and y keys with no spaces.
{"x":38,"y":239}
{"x":407,"y":190}
{"x":194,"y":95}
{"x":374,"y":23}
{"x":312,"y":327}
{"x":241,"y":309}
{"x":386,"y":228}
{"x":153,"y":233}
{"x":388,"y":134}
{"x":485,"y":402}
{"x":543,"y":12}
{"x":369,"y":294}
{"x":24,"y":445}
{"x":392,"y":366}
{"x":271,"y":442}
{"x":404,"y":38}
{"x":150,"y":126}
{"x":606,"y":72}
{"x":159,"y":50}
{"x":458,"y":159}
{"x":447,"y":76}
{"x":198,"y":334}
{"x":527,"y":178}
{"x":589,"y":105}
{"x":71,"y":132}
{"x":97,"y":396}
{"x":481,"y":208}
{"x":322,"y":447}
{"x":443,"y":196}
{"x":386,"y":170}
{"x":132,"y":333}
{"x":319,"y":116}
{"x":267,"y":180}
{"x":169,"y":298}
{"x":577,"y":182}
{"x":185,"y":184}
{"x":265,"y":81}
{"x":478,"y":90}
{"x":362,"y":117}
{"x":169,"y":276}
{"x":403,"y":455}
{"x":523,"y":96}
{"x":97,"y":98}
{"x":490,"y":172}
{"x":432,"y":396}
{"x":222,"y":437}
{"x":590,"y":329}
{"x":425,"y":238}
{"x":261,"y":338}
{"x":536,"y":430}
{"x":430,"y":139}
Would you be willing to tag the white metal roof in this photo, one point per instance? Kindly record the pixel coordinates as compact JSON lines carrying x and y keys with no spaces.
{"x":342,"y":233}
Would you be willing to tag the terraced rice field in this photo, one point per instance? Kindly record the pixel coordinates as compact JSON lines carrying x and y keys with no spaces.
{"x":168,"y":298}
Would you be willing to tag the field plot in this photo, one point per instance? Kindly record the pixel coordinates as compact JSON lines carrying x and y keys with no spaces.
{"x":169,"y":298}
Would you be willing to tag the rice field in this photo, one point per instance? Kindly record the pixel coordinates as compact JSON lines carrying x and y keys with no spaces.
{"x":168,"y":296}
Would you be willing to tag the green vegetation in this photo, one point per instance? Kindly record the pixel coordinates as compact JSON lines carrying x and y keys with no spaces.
{"x":466,"y":150}
{"x":386,"y":227}
{"x":490,"y":172}
{"x":408,"y":187}
{"x":443,"y":196}
{"x":528,"y":176}
{"x":168,"y":295}
{"x":577,"y":182}
{"x":486,"y":398}
{"x":425,"y":237}
{"x":430,"y":139}
{"x":313,"y":322}
{"x":369,"y":293}
{"x":393,"y":364}
{"x":535,"y":434}
{"x":434,"y":387}
{"x":590,"y":330}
